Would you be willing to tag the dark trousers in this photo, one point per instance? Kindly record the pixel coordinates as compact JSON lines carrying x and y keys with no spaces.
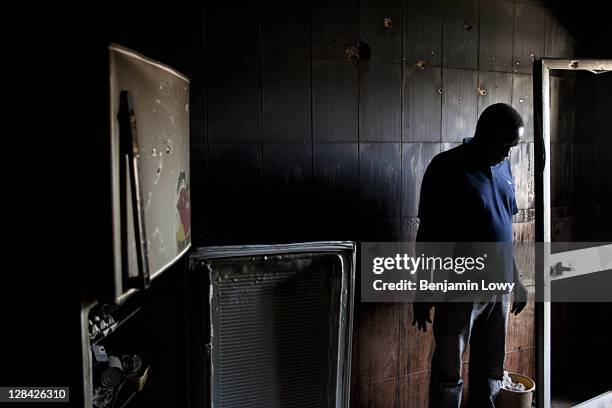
{"x":482,"y":325}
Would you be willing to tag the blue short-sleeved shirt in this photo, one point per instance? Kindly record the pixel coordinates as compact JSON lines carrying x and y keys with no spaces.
{"x":463,"y":201}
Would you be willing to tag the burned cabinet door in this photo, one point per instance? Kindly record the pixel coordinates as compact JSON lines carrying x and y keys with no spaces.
{"x":277,"y":322}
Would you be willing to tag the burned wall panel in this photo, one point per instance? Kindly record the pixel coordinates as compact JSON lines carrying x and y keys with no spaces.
{"x":521,"y":360}
{"x":287,"y":176}
{"x":286,"y":28}
{"x":235,"y":179}
{"x":383,"y":392}
{"x":235,"y":168}
{"x":496,"y":32}
{"x":199,"y":176}
{"x":379,"y":363}
{"x":523,"y":170}
{"x":520,"y":333}
{"x":381,"y":28}
{"x":336,"y":182}
{"x":422,"y":32}
{"x":559,"y":41}
{"x":409,"y":227}
{"x":287,"y":167}
{"x":529,"y":36}
{"x":335,"y":26}
{"x":379,"y":180}
{"x":415,"y":159}
{"x":234,"y":104}
{"x":232,"y":80}
{"x":379,"y":102}
{"x":522,"y":101}
{"x":447,"y":146}
{"x":414,"y":390}
{"x":493,"y":87}
{"x":523,"y":235}
{"x":415,"y":350}
{"x":237,"y":42}
{"x":336,"y":170}
{"x":460,"y":103}
{"x":233,"y":83}
{"x":461,"y":27}
{"x":286,"y":100}
{"x":380,"y":230}
{"x":334,"y":101}
{"x":421,"y":104}
{"x":235,"y":114}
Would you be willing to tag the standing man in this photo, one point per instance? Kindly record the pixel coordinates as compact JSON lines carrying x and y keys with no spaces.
{"x":467,"y":195}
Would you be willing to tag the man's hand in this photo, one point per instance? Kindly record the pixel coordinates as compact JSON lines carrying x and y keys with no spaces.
{"x":421,"y":315}
{"x":519,"y":300}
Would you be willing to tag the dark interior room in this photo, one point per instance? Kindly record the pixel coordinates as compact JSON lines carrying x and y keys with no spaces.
{"x":212,"y":254}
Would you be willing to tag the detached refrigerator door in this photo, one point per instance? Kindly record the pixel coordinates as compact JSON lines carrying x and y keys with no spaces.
{"x":146,"y":125}
{"x":149,"y":116}
{"x":277,"y":325}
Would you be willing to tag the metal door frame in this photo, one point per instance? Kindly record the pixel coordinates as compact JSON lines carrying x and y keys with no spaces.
{"x":541,"y":93}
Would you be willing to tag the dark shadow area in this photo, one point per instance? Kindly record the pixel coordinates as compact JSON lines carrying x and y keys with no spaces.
{"x":587,"y":22}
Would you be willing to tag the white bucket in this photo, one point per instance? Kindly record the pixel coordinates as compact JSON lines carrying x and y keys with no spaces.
{"x":516,"y":399}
